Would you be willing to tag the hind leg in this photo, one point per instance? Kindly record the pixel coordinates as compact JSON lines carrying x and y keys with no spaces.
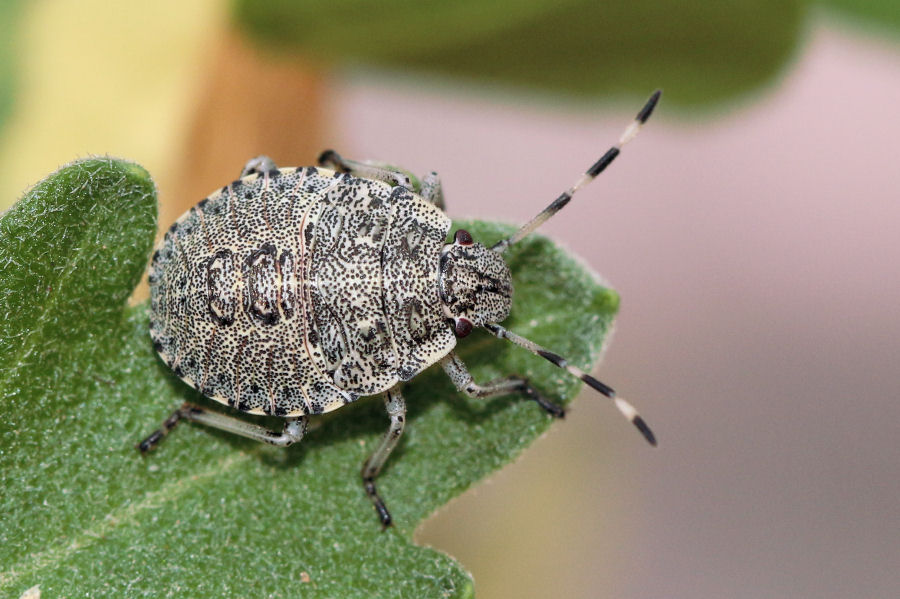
{"x":367,"y":169}
{"x":429,"y":187}
{"x":294,"y":428}
{"x":396,"y":409}
{"x":432,"y":190}
{"x":259,"y":165}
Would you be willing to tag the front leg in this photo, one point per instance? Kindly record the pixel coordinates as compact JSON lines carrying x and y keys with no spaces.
{"x":459,"y":374}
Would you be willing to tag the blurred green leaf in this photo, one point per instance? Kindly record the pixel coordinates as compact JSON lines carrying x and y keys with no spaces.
{"x":209,"y":514}
{"x":700,"y":52}
{"x":10,"y":11}
{"x":880,"y":13}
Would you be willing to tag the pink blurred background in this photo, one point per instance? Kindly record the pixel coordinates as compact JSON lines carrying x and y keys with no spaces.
{"x":757,"y":255}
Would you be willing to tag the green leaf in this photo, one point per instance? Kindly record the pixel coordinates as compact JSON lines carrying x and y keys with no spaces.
{"x":883,"y":14}
{"x":209,"y":514}
{"x":700,"y":52}
{"x":10,"y":18}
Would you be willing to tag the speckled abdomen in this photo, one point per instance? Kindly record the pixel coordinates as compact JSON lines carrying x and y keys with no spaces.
{"x":299,"y":290}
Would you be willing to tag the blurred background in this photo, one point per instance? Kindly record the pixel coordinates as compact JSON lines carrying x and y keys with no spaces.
{"x":753,"y":231}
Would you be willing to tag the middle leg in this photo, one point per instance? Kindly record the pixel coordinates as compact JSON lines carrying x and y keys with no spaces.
{"x":396,"y":409}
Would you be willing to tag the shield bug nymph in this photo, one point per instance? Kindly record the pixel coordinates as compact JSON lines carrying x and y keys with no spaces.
{"x":295,"y":291}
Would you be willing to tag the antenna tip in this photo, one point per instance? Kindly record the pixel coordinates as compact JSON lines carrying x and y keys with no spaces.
{"x":631,"y":414}
{"x":647,"y":110}
{"x":645,"y":430}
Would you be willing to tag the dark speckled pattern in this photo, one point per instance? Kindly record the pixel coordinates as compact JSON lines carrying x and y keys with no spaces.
{"x":299,"y":290}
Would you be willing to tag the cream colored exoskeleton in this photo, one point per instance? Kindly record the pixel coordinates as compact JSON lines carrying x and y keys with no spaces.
{"x":294,"y":291}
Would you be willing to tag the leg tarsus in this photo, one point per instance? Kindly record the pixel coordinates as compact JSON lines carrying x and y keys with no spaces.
{"x":153,"y":439}
{"x":548,"y":406}
{"x":383,"y":514}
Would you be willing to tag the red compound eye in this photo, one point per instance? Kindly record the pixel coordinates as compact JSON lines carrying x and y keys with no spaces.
{"x":463,"y":237}
{"x":463,"y":327}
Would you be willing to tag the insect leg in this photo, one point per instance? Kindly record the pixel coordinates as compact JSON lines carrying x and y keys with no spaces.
{"x":432,"y":190}
{"x":459,"y":374}
{"x":368,"y":169}
{"x":258,"y":165}
{"x":396,"y":409}
{"x":294,"y":428}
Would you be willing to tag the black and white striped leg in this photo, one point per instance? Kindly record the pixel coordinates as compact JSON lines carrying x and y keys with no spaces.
{"x":396,"y":409}
{"x":258,"y":165}
{"x":459,"y":374}
{"x":432,"y":190}
{"x":294,"y":428}
{"x":589,"y":175}
{"x":369,"y":170}
{"x":624,"y":407}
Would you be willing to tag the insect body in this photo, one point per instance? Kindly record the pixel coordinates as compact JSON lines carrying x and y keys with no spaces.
{"x":292,"y":292}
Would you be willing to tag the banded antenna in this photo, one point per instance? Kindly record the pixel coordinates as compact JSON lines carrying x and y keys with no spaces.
{"x":558,"y":204}
{"x":598,"y":167}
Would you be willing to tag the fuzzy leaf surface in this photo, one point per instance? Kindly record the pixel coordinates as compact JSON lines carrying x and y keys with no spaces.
{"x":208,"y":514}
